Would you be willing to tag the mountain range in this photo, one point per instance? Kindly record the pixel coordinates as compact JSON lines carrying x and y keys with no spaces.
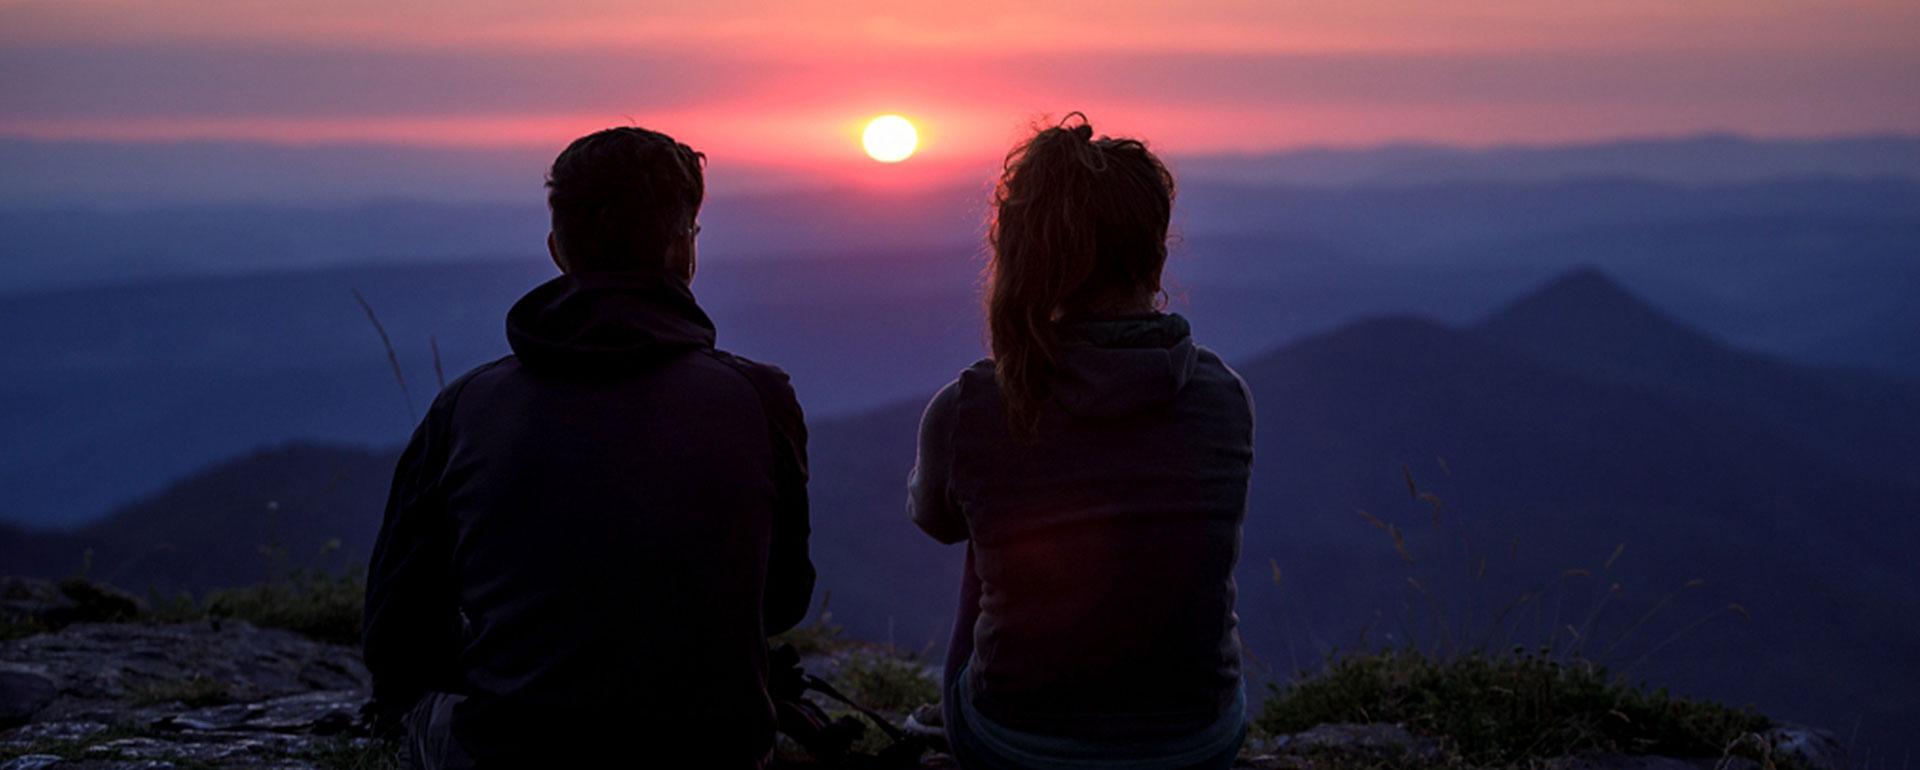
{"x":174,"y":338}
{"x":1728,"y":523}
{"x":138,"y":174}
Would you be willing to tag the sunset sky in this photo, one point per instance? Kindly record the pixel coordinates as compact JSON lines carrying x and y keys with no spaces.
{"x":788,"y":84}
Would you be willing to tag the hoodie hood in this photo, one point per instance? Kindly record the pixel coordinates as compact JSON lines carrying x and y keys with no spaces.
{"x":606,"y":322}
{"x":1110,"y":368}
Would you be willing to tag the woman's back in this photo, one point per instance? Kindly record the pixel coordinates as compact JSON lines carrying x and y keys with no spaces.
{"x":1098,"y":464}
{"x":1104,"y":542}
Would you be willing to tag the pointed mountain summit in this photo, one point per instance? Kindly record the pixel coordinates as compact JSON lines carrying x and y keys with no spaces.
{"x":1585,"y":323}
{"x":1585,"y":320}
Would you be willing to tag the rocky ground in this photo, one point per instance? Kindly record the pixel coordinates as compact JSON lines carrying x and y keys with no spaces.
{"x":119,"y":696}
{"x":147,"y":695}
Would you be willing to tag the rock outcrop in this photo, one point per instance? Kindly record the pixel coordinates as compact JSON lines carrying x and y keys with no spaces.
{"x":120,"y":696}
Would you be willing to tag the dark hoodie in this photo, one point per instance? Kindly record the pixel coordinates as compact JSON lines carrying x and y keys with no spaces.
{"x":1104,"y":547}
{"x":592,"y":538}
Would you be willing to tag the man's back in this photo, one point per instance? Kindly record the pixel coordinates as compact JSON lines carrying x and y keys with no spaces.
{"x":621,"y":512}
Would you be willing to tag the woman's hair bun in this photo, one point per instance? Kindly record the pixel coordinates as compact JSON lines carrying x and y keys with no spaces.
{"x":1084,"y":131}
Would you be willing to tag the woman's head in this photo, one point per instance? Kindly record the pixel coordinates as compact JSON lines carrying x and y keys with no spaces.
{"x":1079,"y":230}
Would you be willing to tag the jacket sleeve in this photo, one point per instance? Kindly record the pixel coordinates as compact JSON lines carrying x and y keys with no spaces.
{"x":412,"y":617}
{"x":929,"y":491}
{"x":790,"y":572}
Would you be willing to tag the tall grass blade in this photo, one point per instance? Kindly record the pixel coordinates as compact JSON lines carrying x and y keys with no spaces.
{"x":439,"y":374}
{"x":1677,"y":635}
{"x":1650,"y":613}
{"x":393,"y":359}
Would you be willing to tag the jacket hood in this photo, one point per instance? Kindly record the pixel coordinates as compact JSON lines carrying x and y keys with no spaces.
{"x":606,"y":322}
{"x":1115,"y":367}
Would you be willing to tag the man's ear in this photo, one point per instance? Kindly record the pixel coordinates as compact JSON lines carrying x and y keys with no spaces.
{"x":553,"y":250}
{"x":684,"y":258}
{"x":693,"y":256}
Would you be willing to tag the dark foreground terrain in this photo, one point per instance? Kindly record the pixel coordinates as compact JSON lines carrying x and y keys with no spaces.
{"x":99,"y":680}
{"x":1623,"y":484}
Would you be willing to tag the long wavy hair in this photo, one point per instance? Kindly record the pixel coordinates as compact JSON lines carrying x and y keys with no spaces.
{"x":1079,"y":230}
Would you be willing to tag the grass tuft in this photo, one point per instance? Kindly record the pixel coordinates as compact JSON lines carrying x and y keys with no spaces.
{"x":1508,"y":709}
{"x":886,"y":682}
{"x":192,"y":692}
{"x":322,"y":606}
{"x":357,"y":754}
{"x":20,"y":628}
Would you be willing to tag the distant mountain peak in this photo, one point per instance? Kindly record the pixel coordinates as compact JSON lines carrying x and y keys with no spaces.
{"x":1582,"y":287}
{"x":1585,"y":278}
{"x":1586,"y":301}
{"x":1587,"y":319}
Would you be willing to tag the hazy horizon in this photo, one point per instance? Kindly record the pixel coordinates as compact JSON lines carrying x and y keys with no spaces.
{"x":95,"y":174}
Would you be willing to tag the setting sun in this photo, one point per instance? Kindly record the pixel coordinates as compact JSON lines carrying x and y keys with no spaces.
{"x":889,"y":139}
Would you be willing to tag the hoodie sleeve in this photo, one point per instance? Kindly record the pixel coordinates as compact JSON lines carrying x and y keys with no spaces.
{"x":929,"y":492}
{"x":412,"y":620}
{"x":788,"y":593}
{"x":790,"y":572}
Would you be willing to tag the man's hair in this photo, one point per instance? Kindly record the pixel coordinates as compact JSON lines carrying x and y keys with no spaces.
{"x":620,"y":197}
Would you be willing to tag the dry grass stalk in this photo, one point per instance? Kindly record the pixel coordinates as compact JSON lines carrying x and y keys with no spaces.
{"x":393,"y":359}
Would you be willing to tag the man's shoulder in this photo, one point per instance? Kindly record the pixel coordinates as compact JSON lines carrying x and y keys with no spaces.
{"x":771,"y":382}
{"x":450,"y":392}
{"x":757,"y":371}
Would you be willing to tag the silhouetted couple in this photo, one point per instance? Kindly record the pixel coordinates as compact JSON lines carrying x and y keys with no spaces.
{"x":589,"y":541}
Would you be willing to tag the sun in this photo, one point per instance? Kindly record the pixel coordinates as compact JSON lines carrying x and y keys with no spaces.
{"x":890,"y":139}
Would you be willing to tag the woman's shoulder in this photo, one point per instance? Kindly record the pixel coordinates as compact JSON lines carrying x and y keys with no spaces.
{"x":972,"y":382}
{"x":979,"y":370}
{"x":1212,"y":370}
{"x":1205,"y":358}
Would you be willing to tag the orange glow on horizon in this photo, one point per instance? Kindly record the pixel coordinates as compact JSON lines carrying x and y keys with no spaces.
{"x":772,"y":84}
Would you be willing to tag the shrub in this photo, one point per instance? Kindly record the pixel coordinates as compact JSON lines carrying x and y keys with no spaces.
{"x":322,"y":606}
{"x":1509,"y":708}
{"x":1445,"y":676}
{"x":886,"y":682}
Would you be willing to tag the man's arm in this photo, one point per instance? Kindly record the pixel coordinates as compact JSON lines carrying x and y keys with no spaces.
{"x":790,"y":572}
{"x":412,"y":620}
{"x":929,"y":496}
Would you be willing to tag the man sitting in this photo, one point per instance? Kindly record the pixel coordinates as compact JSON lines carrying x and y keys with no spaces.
{"x":588,"y":541}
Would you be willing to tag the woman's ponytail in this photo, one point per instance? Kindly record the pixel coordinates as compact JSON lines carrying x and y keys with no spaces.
{"x":1079,"y":229}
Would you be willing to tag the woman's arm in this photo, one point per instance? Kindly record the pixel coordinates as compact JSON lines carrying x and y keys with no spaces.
{"x":929,"y":494}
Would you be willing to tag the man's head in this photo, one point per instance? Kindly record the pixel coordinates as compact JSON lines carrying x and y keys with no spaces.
{"x":625,"y":199}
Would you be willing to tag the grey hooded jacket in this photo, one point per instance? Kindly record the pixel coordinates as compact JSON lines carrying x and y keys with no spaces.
{"x":1105,"y":546}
